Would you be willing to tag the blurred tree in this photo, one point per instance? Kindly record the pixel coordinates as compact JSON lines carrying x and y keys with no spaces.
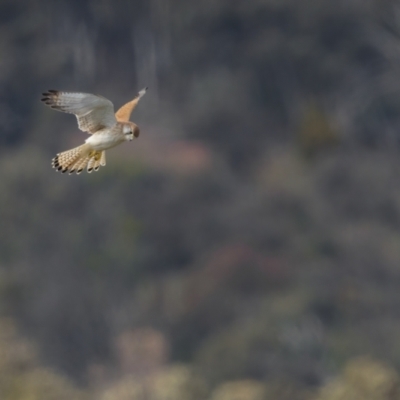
{"x":248,"y":261}
{"x":315,"y":132}
{"x":21,"y":377}
{"x":174,"y":382}
{"x":363,"y":379}
{"x":240,"y":390}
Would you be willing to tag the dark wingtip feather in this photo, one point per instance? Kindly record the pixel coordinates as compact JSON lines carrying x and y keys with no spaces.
{"x":47,"y":96}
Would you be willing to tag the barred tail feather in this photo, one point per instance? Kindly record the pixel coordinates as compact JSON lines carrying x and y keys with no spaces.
{"x":74,"y":166}
{"x":79,"y":165}
{"x":95,"y":161}
{"x":82,"y":164}
{"x":68,"y":160}
{"x":75,"y":160}
{"x":90,"y":165}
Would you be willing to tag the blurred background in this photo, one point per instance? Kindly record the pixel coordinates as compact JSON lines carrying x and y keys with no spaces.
{"x":247,"y":245}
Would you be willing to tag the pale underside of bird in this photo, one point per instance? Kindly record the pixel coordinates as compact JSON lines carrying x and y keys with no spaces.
{"x":95,"y":115}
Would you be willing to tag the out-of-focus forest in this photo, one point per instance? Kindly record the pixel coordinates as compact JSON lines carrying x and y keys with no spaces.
{"x":247,"y":245}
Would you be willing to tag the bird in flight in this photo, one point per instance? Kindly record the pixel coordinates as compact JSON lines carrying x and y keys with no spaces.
{"x":95,"y":115}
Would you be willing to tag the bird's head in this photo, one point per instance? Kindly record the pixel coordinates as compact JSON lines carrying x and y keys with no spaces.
{"x":130,"y":130}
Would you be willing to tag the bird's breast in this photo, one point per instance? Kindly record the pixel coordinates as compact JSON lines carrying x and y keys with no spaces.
{"x":105,"y":139}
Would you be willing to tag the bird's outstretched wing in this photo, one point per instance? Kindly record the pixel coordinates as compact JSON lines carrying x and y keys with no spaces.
{"x":124,"y":113}
{"x":93,"y":112}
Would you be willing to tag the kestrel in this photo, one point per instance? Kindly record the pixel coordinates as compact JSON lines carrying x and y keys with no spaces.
{"x":95,"y":115}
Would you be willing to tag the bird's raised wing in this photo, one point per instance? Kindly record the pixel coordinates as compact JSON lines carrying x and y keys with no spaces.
{"x":92,"y":112}
{"x":124,"y":113}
